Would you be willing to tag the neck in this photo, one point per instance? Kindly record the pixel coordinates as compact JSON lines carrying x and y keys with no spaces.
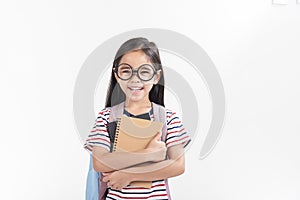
{"x":136,"y":107}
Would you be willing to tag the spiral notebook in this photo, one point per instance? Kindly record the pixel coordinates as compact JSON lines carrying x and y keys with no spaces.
{"x":133,"y":134}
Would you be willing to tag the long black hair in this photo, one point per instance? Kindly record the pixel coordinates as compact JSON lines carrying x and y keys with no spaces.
{"x":115,"y":95}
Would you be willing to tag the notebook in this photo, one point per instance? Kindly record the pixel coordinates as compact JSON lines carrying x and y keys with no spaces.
{"x":133,"y":134}
{"x":111,"y":126}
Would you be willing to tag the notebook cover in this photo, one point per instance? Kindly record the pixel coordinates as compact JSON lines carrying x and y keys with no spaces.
{"x":133,"y":134}
{"x":111,"y":128}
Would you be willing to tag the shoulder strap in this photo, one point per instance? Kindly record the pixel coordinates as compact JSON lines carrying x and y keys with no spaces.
{"x":92,"y":184}
{"x":116,"y":111}
{"x":159,"y":113}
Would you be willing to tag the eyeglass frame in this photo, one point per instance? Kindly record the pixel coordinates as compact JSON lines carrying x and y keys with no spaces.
{"x":135,"y":71}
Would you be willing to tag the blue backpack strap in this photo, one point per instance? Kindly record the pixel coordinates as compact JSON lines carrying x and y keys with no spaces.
{"x":92,"y":184}
{"x":159,"y":113}
{"x":95,"y":188}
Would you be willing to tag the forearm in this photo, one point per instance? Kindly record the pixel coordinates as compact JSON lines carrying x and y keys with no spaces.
{"x":106,"y":161}
{"x":156,"y":171}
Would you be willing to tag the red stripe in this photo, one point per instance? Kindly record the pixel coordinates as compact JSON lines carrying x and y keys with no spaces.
{"x":175,"y":131}
{"x":156,"y":195}
{"x":171,"y":115}
{"x":175,"y":122}
{"x":92,"y":131}
{"x":103,"y":112}
{"x":100,"y":121}
{"x":88,"y":148}
{"x":139,"y":188}
{"x":158,"y":185}
{"x":177,"y":140}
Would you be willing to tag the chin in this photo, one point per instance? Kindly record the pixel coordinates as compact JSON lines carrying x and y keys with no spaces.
{"x":135,"y":98}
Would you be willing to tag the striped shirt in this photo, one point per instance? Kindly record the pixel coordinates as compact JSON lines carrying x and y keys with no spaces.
{"x":98,"y":136}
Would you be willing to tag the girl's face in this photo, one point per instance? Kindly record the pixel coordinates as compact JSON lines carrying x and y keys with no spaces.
{"x":135,"y":89}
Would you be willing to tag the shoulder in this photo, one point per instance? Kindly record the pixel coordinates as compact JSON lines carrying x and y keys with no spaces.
{"x":176,"y":133}
{"x":103,"y":114}
{"x":168,"y":112}
{"x":104,"y":111}
{"x":171,"y":115}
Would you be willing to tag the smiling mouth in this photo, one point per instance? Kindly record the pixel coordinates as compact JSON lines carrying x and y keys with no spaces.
{"x":135,"y":88}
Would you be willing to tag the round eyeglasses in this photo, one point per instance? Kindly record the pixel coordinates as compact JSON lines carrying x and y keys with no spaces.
{"x":144,"y":72}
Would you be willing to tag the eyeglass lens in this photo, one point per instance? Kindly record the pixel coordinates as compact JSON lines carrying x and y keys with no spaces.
{"x":145,"y":72}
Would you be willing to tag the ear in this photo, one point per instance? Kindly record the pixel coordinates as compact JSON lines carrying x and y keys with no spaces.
{"x":116,"y":77}
{"x":157,"y":76}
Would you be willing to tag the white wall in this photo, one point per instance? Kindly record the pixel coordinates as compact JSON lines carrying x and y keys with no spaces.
{"x":255,"y":46}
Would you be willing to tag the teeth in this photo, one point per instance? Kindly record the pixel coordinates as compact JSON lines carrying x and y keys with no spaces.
{"x":135,"y":88}
{"x":132,"y":88}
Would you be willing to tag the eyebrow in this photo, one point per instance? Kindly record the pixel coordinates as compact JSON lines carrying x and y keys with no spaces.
{"x":138,"y":66}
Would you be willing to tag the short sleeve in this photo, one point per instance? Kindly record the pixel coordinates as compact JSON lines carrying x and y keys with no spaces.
{"x":176,"y":133}
{"x":99,"y":135}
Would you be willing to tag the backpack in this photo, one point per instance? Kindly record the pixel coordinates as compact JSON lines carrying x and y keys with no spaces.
{"x":95,"y":188}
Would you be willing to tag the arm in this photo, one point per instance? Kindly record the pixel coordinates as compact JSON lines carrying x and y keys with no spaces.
{"x":175,"y":140}
{"x":174,"y":166}
{"x":104,"y":161}
{"x":150,"y":172}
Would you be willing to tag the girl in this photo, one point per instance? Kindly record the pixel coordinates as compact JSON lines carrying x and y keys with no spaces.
{"x":137,"y":83}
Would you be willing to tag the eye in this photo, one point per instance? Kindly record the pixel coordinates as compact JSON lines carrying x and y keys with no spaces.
{"x":125,"y":71}
{"x":145,"y":72}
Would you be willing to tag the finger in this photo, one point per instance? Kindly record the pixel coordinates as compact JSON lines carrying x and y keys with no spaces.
{"x":110,"y":184}
{"x":158,"y":136}
{"x":105,"y":179}
{"x":162,"y":143}
{"x":105,"y":173}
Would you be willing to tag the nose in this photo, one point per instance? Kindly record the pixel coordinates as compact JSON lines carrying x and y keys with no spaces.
{"x":135,"y":77}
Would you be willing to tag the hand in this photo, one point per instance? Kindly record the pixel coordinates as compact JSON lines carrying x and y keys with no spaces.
{"x":157,"y":147}
{"x":116,"y":180}
{"x":156,"y":143}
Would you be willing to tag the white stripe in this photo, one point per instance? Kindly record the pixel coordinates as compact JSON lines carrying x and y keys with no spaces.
{"x":149,"y":191}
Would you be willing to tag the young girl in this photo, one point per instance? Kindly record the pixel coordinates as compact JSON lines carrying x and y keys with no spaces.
{"x":137,"y":83}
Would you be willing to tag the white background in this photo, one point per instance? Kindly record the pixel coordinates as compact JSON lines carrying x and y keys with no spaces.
{"x":255,"y":46}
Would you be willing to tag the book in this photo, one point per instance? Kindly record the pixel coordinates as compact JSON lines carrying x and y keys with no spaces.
{"x":133,"y":134}
{"x":111,"y":126}
{"x":111,"y":129}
